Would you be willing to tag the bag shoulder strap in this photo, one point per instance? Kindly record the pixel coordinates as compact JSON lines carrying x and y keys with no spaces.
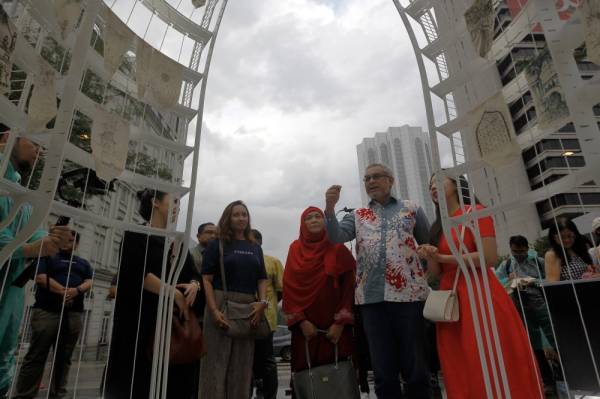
{"x":222,"y":267}
{"x":462,"y":237}
{"x":508,"y":265}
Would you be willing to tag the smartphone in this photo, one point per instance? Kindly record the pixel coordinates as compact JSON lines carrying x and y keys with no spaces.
{"x":63,"y":220}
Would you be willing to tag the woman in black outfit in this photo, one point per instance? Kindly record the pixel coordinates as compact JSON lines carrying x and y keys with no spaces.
{"x":130,"y":361}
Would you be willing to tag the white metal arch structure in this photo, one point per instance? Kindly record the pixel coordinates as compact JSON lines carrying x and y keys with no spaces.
{"x":467,"y":80}
{"x":166,"y":142}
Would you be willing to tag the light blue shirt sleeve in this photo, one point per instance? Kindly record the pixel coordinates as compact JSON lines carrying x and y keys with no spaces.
{"x":501,"y":273}
{"x":421,"y":230}
{"x":340,"y":232}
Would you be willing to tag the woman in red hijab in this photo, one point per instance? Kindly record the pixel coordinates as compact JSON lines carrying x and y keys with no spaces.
{"x":318,"y":293}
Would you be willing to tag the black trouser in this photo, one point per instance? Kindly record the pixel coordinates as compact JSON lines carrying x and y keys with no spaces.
{"x":360,"y":357}
{"x":396,"y":335}
{"x":265,"y":367}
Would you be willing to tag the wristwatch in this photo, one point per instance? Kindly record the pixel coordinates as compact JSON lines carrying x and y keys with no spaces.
{"x":266,"y":302}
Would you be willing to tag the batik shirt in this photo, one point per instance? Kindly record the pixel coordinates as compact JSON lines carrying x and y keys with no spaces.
{"x":387,"y":236}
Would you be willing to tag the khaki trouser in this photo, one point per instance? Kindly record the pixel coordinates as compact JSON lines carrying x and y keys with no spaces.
{"x":44,"y":330}
{"x":226,"y":369}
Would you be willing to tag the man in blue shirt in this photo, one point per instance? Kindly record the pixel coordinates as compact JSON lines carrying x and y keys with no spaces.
{"x":12,"y":298}
{"x":391,"y":287}
{"x":62,"y":282}
{"x":522,"y":273}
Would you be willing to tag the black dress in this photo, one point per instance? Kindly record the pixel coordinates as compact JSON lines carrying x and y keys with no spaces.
{"x":142,"y":254}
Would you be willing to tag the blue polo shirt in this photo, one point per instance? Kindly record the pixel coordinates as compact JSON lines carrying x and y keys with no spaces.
{"x":69,"y":273}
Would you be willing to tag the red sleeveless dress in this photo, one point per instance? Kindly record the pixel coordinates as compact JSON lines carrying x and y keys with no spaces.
{"x":457,"y":345}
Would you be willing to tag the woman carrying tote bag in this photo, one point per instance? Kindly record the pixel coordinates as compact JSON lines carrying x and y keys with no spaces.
{"x":456,"y":341}
{"x":226,"y":371}
{"x":318,"y":293}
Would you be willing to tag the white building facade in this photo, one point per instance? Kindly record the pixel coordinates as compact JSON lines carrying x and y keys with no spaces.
{"x":405,"y":150}
{"x":467,"y":77}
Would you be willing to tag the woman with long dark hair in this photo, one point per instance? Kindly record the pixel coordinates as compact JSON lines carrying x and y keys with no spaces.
{"x":457,"y":345}
{"x":136,"y":307}
{"x":568,"y":257}
{"x":227,"y":368}
{"x":318,"y":293}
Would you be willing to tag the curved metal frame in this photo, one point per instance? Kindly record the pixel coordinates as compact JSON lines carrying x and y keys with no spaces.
{"x":42,"y":200}
{"x":580,"y":98}
{"x":481,"y":305}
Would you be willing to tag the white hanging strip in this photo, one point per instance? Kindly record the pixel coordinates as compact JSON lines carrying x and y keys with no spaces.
{"x":590,"y":13}
{"x":8,"y":39}
{"x":549,"y":100}
{"x":110,"y":143}
{"x":117,"y":40}
{"x":494,"y":132}
{"x":159,"y":77}
{"x":42,"y":105}
{"x":67,"y":15}
{"x":143,"y":58}
{"x":480,"y":23}
{"x":166,"y":78}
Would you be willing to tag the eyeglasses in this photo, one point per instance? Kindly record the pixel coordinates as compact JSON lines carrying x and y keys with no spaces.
{"x":375,"y":176}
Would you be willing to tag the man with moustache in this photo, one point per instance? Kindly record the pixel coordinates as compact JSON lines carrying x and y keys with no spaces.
{"x":391,"y":287}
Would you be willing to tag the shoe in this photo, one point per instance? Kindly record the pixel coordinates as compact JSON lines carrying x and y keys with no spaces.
{"x":550,"y":392}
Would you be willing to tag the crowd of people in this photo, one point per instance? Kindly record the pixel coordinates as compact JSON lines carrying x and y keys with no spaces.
{"x":367,"y":310}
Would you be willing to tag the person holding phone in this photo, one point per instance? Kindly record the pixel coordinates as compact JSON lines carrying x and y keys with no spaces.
{"x":42,"y":243}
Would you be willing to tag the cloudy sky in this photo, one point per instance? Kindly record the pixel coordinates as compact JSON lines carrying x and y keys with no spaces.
{"x":294,"y":86}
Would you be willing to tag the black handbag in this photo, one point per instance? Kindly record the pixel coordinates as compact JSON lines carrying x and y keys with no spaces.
{"x":336,"y":380}
{"x":238,"y":314}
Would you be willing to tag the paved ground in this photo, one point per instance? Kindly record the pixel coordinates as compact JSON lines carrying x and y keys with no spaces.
{"x":88,"y":376}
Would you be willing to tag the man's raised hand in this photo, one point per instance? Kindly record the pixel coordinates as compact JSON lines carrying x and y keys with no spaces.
{"x":332,"y":196}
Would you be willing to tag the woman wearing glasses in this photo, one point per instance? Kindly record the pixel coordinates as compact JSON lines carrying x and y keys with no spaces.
{"x":318,"y":293}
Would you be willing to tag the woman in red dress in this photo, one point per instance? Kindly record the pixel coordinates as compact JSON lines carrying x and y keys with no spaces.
{"x":318,"y":293}
{"x":457,"y":345}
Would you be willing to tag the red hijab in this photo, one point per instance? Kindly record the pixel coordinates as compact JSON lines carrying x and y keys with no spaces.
{"x":311,"y":259}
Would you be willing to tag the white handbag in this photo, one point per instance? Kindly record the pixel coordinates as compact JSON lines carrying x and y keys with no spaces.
{"x":442,"y":305}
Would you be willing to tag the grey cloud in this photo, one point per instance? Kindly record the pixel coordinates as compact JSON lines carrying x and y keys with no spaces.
{"x":289,"y":99}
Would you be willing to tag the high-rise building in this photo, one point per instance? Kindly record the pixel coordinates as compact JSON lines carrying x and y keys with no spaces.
{"x":557,"y":154}
{"x":531,"y":56}
{"x":406,"y":151}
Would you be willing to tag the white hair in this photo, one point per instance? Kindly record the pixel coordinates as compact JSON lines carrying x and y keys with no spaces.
{"x":385,"y":168}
